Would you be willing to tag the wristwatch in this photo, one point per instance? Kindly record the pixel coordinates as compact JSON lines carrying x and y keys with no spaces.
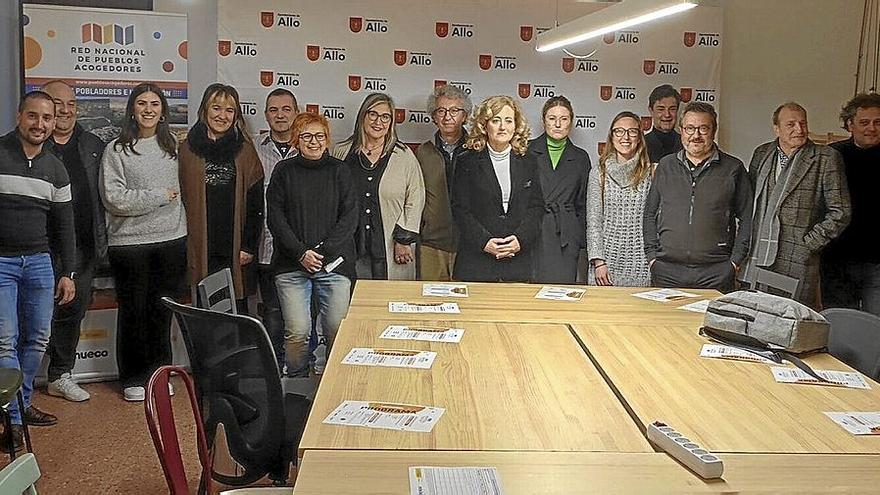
{"x":71,"y":275}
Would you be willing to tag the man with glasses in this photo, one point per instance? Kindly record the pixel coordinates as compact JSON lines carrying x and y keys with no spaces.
{"x":801,"y":202}
{"x":449,"y":107}
{"x":851,"y":263}
{"x":663,"y":140}
{"x":697,"y":198}
{"x":81,"y":153}
{"x":281,"y":109}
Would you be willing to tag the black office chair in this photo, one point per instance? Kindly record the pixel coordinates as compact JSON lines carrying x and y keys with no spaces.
{"x":240,"y":392}
{"x":217,"y":292}
{"x":855,"y":339}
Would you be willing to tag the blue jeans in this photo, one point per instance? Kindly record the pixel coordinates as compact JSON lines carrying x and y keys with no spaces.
{"x":295,"y":290}
{"x":27,"y":300}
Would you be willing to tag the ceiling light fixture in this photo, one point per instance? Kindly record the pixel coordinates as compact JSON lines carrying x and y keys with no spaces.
{"x":614,"y":18}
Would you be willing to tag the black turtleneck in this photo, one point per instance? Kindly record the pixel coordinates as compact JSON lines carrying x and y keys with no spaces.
{"x":856,"y":243}
{"x":662,"y":143}
{"x":312,"y":205}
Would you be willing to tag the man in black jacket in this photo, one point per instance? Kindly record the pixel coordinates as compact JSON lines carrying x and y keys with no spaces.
{"x":81,"y":153}
{"x":698,"y":215}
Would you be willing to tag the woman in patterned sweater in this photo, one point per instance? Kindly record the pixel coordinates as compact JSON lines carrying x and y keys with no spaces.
{"x":615,"y":202}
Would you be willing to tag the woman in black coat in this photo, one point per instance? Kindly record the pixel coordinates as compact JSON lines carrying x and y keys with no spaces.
{"x":564,"y":169}
{"x":497,"y":202}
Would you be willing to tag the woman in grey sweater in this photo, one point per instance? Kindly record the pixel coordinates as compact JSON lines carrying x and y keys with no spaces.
{"x":146,"y":234}
{"x":616,"y":195}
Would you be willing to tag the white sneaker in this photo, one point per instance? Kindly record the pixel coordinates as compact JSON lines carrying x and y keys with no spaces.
{"x":67,"y":388}
{"x":133,"y":394}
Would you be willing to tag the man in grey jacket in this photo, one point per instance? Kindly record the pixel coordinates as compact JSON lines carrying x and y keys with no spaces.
{"x":801,"y":202}
{"x":698,"y":214}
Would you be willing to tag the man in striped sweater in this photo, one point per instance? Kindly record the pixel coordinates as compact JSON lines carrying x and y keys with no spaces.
{"x":36,"y":217}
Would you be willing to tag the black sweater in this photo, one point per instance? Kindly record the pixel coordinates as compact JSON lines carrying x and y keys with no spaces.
{"x":856,"y":243}
{"x":312,"y":203}
{"x":36,"y":213}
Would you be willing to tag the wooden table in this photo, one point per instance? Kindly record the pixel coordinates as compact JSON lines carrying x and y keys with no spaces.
{"x":545,"y":473}
{"x":505,"y":386}
{"x":726,"y":406}
{"x":517,"y":303}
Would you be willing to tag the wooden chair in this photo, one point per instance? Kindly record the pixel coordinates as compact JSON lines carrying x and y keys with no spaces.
{"x":765,"y":279}
{"x":20,"y":476}
{"x":217,"y":292}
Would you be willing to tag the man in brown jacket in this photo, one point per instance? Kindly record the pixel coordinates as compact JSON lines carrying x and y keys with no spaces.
{"x":801,"y":202}
{"x":449,"y":107}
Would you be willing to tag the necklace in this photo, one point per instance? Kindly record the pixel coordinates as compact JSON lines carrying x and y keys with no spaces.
{"x":369,"y":166}
{"x":370,"y":150}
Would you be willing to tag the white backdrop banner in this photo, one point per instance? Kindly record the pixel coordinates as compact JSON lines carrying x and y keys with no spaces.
{"x":103,"y":54}
{"x":331,"y":58}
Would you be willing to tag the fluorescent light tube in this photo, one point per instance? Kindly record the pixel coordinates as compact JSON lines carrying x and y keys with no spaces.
{"x":614,"y":18}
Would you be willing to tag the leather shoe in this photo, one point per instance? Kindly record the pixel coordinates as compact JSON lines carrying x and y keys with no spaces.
{"x":35,"y":417}
{"x":17,"y":439}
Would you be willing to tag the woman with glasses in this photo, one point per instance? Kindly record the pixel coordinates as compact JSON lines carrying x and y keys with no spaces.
{"x":221,"y":181}
{"x":564,"y":169}
{"x":146,"y":234}
{"x":312,"y":214}
{"x":497,"y":202}
{"x":390,"y":191}
{"x":615,"y":202}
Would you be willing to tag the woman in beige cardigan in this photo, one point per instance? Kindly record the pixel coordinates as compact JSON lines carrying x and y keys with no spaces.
{"x":391,"y":192}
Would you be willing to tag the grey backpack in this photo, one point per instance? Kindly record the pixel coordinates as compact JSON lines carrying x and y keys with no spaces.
{"x":771,"y":319}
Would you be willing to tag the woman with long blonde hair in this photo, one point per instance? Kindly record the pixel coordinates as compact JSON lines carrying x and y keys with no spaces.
{"x":497,"y":203}
{"x":616,"y":195}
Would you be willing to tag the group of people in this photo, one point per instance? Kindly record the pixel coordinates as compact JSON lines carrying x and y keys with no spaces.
{"x":299,"y":218}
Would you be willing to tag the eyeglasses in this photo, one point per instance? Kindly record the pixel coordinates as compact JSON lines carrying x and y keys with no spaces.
{"x":308,"y":136}
{"x":620,"y":131}
{"x":381,"y":117}
{"x":453,"y":112}
{"x":690,"y":129}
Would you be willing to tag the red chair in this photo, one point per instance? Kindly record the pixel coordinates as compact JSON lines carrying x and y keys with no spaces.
{"x":160,"y":420}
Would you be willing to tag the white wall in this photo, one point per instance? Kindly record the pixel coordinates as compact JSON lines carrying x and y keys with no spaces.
{"x":781,"y":50}
{"x":201,"y":28}
{"x":774,"y":51}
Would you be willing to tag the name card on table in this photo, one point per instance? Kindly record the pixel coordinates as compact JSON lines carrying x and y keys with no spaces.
{"x":837,"y":378}
{"x":665,"y":295}
{"x":445,"y":290}
{"x":429,"y":334}
{"x":560,"y":293}
{"x":426,"y":480}
{"x":384,"y":415}
{"x":423,"y":307}
{"x":857,"y":423}
{"x":718,"y":351}
{"x":394,"y":358}
{"x":696,"y":307}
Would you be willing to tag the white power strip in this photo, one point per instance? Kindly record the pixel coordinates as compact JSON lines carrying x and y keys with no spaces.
{"x":696,"y":458}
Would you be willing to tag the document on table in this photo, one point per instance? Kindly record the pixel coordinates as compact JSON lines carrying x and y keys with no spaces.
{"x":394,"y":358}
{"x":665,"y":295}
{"x":560,"y":293}
{"x":857,"y":423}
{"x":388,"y":416}
{"x":718,"y":351}
{"x":837,"y":378}
{"x":696,"y":307}
{"x":430,"y":334}
{"x":445,"y":290}
{"x":427,"y":480}
{"x":423,"y":307}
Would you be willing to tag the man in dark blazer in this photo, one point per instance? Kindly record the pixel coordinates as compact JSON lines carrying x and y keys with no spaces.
{"x":801,"y":202}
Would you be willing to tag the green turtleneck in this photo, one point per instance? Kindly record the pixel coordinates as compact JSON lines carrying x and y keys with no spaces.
{"x":555,"y":147}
